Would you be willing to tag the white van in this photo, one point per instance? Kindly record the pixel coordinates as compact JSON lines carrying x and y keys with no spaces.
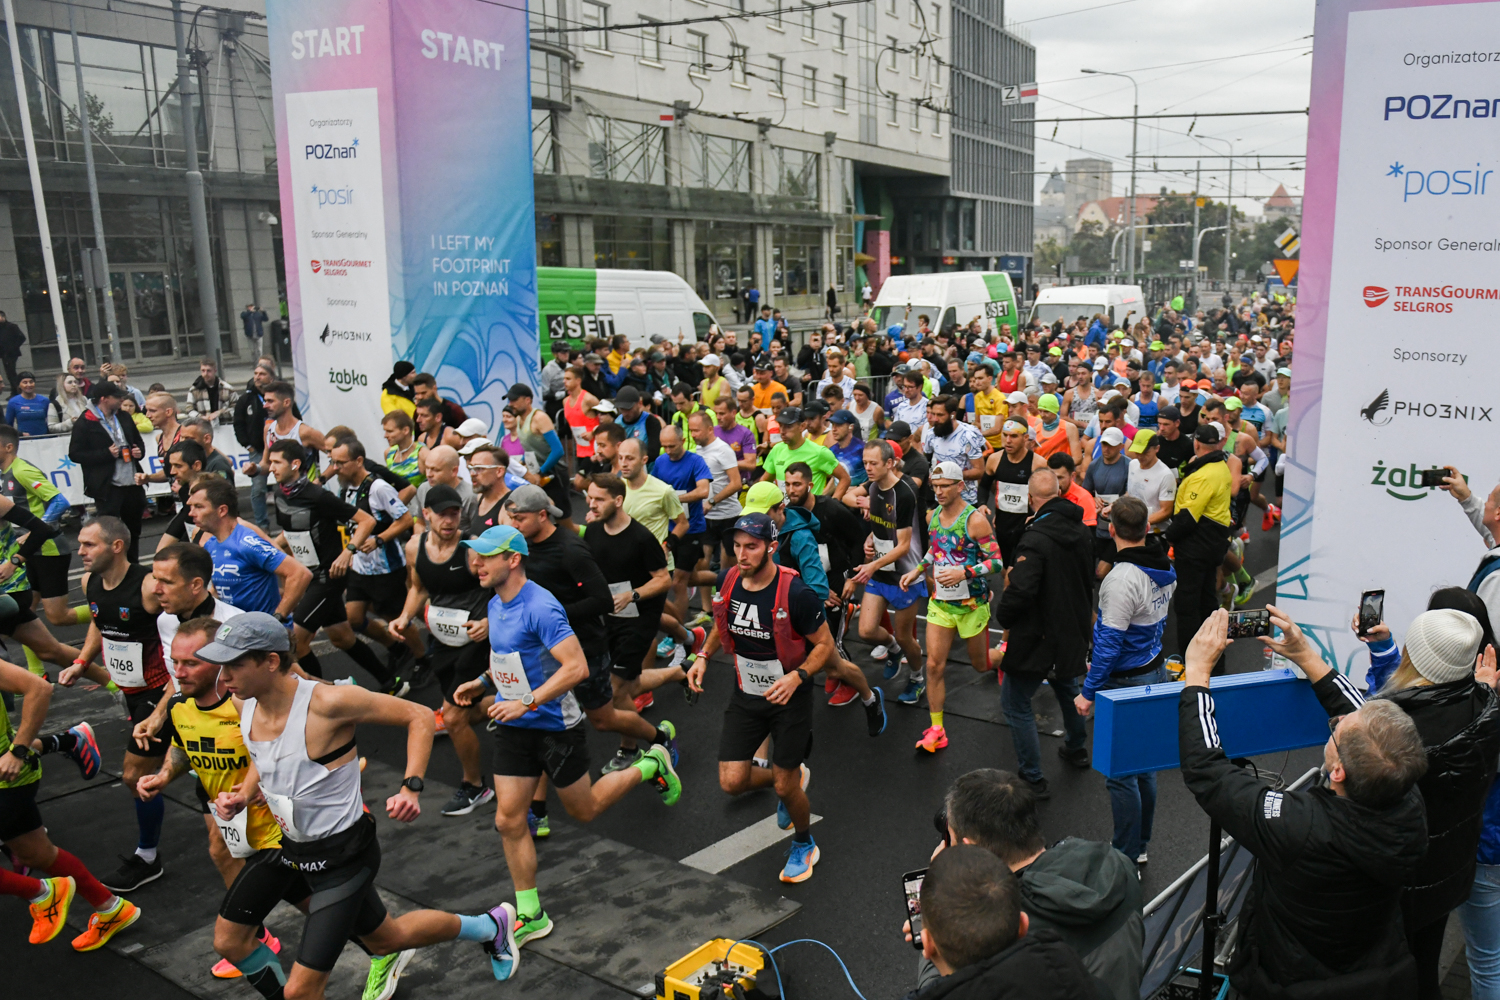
{"x":947,"y":299}
{"x":1068,"y":302}
{"x":574,"y":303}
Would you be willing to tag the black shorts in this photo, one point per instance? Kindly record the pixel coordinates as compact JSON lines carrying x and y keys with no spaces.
{"x":687,"y":551}
{"x":384,"y":593}
{"x":630,"y":640}
{"x":141,"y":704}
{"x":718,"y":532}
{"x":201,"y":793}
{"x":322,"y":605}
{"x":455,"y":666}
{"x":260,"y":885}
{"x":527,"y":753}
{"x":49,"y":574}
{"x":597,"y":690}
{"x":748,"y":721}
{"x":1008,"y":544}
{"x":18,"y":812}
{"x":23,"y":615}
{"x":340,"y":871}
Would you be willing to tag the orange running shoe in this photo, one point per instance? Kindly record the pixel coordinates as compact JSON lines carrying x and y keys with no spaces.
{"x":103,"y":926}
{"x":933,"y":740}
{"x":49,"y":917}
{"x":644,"y":701}
{"x":440,"y":728}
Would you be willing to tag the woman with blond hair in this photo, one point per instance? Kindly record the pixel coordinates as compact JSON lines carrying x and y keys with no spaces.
{"x":68,"y":404}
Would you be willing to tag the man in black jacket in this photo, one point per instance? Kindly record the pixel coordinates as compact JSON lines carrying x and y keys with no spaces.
{"x":109,"y":448}
{"x":11,"y":339}
{"x":250,"y":432}
{"x":1323,"y":915}
{"x":1048,"y":607}
{"x":980,"y":939}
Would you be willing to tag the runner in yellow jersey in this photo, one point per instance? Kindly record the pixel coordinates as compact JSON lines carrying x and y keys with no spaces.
{"x":986,"y":407}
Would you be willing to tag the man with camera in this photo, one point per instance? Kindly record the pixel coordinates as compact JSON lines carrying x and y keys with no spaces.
{"x":1484,"y":514}
{"x":1323,"y":915}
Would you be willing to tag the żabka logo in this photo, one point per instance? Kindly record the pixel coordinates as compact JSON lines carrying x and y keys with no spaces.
{"x":1396,"y":478}
{"x":1375,"y":295}
{"x":346,"y":379}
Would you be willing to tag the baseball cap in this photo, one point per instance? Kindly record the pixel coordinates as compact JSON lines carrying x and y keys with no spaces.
{"x":757,"y":525}
{"x":1143,"y":439}
{"x":1055,"y":352}
{"x":1284,"y":371}
{"x":1112,"y":436}
{"x":1165,"y":413}
{"x":761,"y":498}
{"x":1188,"y":383}
{"x":946,"y":470}
{"x":440,"y":498}
{"x":636,"y":360}
{"x":1100,"y":364}
{"x":592,"y":359}
{"x":251,"y":632}
{"x":628,"y":396}
{"x":790,"y":415}
{"x":471,"y":447}
{"x":1207,"y":433}
{"x":561,"y":347}
{"x":655,"y":356}
{"x":1233,"y":403}
{"x":897,"y":430}
{"x":657,"y":338}
{"x":604,"y":406}
{"x":763,"y":363}
{"x":1157,"y":345}
{"x":1047,"y":402}
{"x":500,"y":538}
{"x":711,"y":359}
{"x":1119,"y":380}
{"x":814,"y":407}
{"x":842,"y":417}
{"x":1017,"y":398}
{"x":518,"y":390}
{"x":473,"y":427}
{"x":1048,"y":377}
{"x":530,"y":499}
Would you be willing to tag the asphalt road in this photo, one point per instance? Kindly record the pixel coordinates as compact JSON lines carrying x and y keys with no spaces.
{"x":876,"y":796}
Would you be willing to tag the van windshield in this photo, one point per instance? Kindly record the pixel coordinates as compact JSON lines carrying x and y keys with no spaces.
{"x":885,"y":316}
{"x":1048,"y":312}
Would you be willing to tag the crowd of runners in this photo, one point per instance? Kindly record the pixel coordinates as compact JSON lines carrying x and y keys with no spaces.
{"x":647,"y":518}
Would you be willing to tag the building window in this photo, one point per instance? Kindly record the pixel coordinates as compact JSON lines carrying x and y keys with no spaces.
{"x":916,"y":63}
{"x":890,"y":118}
{"x":935,"y":71}
{"x":936,"y":26}
{"x":738,"y":56}
{"x":797,"y":175}
{"x":650,"y":42}
{"x":776,"y":15}
{"x":916,"y":115}
{"x":937,"y":122}
{"x":891,"y":46}
{"x":841,"y":93}
{"x":626,"y":151}
{"x":840,"y":30}
{"x":543,"y":148}
{"x":809,"y":85}
{"x":915,"y":14}
{"x":810,"y":23}
{"x":595,"y":16}
{"x":720,"y":164}
{"x":778,"y":75}
{"x":697,"y":52}
{"x":890,"y":7}
{"x":632,"y":243}
{"x":724,"y":259}
{"x":797,"y":260}
{"x":549,"y":240}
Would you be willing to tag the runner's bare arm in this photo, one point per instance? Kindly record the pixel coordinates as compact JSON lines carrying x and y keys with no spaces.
{"x":174,"y":766}
{"x":572,"y":670}
{"x":93,"y":645}
{"x":416,"y":594}
{"x":294,"y":579}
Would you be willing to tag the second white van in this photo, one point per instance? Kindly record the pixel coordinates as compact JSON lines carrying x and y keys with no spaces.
{"x":1122,"y":304}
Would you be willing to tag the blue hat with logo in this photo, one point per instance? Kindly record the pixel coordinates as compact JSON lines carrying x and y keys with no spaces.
{"x":757,"y":526}
{"x":500,"y":538}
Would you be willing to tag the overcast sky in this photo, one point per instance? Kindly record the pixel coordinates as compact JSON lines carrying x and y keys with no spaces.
{"x":1260,"y":61}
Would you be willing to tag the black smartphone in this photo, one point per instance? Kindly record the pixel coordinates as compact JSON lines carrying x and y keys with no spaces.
{"x":1432,"y":477}
{"x":1371,"y":610}
{"x":1249,"y":624}
{"x":911,"y":888}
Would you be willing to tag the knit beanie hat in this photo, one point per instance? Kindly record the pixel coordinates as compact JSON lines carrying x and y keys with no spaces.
{"x":1442,"y":644}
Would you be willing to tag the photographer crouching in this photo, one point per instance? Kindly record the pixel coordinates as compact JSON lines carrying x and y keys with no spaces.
{"x":1322,"y":920}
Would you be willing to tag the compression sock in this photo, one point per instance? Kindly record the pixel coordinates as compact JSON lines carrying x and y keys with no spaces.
{"x":527,"y":903}
{"x":661,"y":736}
{"x":1242,"y":575}
{"x":310,"y":665}
{"x":262,"y":970}
{"x":25,"y":886}
{"x":937,"y":719}
{"x":81,"y":614}
{"x":89,"y":887}
{"x":33,"y":662}
{"x":148,"y":815}
{"x":480,"y":928}
{"x":62,"y":742}
{"x":364,"y":657}
{"x":803,"y":836}
{"x":539,"y":808}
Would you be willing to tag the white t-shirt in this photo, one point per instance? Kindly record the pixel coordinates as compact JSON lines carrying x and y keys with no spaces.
{"x":1153,"y":487}
{"x":720,"y":459}
{"x":383,"y":500}
{"x":167,"y":624}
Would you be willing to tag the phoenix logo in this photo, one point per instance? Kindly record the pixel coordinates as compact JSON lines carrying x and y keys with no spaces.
{"x":317,"y":266}
{"x":323,"y":338}
{"x":1375,"y":295}
{"x":1375,"y":412}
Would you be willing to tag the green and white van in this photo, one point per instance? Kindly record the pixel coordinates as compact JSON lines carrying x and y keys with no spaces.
{"x":576,"y":304}
{"x":947,"y":299}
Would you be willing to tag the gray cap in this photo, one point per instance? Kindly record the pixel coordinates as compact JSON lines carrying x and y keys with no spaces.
{"x":251,"y":632}
{"x":529,"y":499}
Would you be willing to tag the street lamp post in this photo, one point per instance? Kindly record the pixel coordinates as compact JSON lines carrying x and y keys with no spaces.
{"x":1135,"y":124}
{"x":1228,"y":205}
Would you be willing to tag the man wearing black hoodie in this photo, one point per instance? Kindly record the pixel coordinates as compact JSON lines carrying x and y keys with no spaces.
{"x":1048,"y":607}
{"x":1199,"y":532}
{"x":981,"y":940}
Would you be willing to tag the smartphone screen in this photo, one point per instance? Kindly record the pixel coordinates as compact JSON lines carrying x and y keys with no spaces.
{"x":1249,"y":624}
{"x":1371,"y":610}
{"x":911,"y":888}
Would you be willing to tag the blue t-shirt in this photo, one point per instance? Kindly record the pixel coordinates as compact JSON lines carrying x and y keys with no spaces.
{"x":852,"y":458}
{"x":1255,"y":414}
{"x":683,"y":476}
{"x":245,"y":570}
{"x":29,"y":416}
{"x":532,"y":623}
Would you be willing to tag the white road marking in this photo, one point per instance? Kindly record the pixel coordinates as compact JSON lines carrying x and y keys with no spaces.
{"x":736,"y":847}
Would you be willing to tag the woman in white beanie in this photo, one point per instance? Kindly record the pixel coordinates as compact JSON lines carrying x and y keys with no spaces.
{"x":1459,"y":721}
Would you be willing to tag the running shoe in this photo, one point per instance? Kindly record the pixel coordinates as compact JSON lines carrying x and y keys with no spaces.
{"x":398,"y":657}
{"x":504,"y":955}
{"x":701,"y":618}
{"x":134,"y":872}
{"x":875,"y":716}
{"x":1039,"y":787}
{"x":346,"y":682}
{"x":700,"y":636}
{"x":1267,"y":520}
{"x":380,"y":984}
{"x":783,"y":817}
{"x":398,"y":688}
{"x":679,"y":656}
{"x":225,"y":969}
{"x":1243,"y":592}
{"x":539,"y":826}
{"x":933,"y":739}
{"x":1141,"y":858}
{"x":466,"y":799}
{"x":880,"y":653}
{"x":439,"y":727}
{"x":671,"y":743}
{"x":915,"y":688}
{"x":665,"y":777}
{"x":532,"y":928}
{"x":830,"y":684}
{"x":1077,"y":756}
{"x":664,"y":648}
{"x":843,"y":694}
{"x":49,"y":915}
{"x":103,"y":926}
{"x":688,"y":694}
{"x":644,"y":701}
{"x":622,"y":759}
{"x":85,"y":752}
{"x":800,"y":859}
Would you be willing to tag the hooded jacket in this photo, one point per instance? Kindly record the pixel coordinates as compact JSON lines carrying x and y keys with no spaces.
{"x":1040,"y":966}
{"x":89,"y":446}
{"x":1133,"y":602}
{"x":1322,"y":920}
{"x":1199,"y":529}
{"x":1048,"y":602}
{"x":1088,"y":894}
{"x":799,"y":549}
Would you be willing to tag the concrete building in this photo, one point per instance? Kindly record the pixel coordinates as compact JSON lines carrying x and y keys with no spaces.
{"x":1087,"y":180}
{"x":1282,"y":206}
{"x":129,"y":65}
{"x":1051,"y":221}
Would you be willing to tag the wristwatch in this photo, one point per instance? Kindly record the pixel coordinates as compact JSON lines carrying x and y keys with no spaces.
{"x":27,"y":755}
{"x":802,"y":674}
{"x":635,"y":596}
{"x":413,"y":783}
{"x":529,"y":700}
{"x":18,"y":560}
